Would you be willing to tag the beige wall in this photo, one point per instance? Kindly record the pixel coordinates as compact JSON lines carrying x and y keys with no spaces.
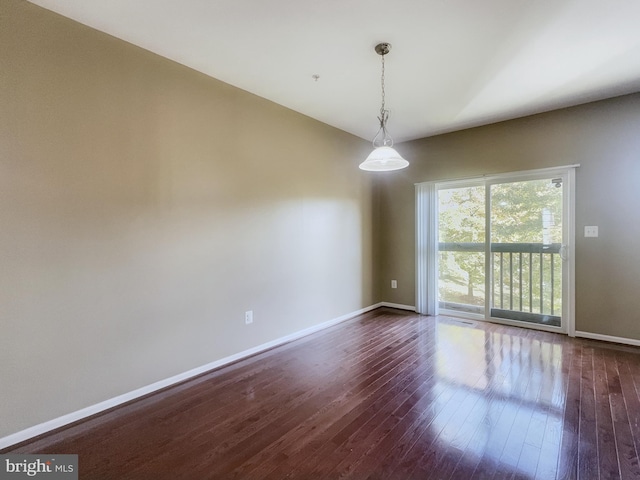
{"x":144,"y":207}
{"x":603,"y":137}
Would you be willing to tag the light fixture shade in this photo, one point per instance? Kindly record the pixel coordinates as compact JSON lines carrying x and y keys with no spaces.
{"x":384,"y":159}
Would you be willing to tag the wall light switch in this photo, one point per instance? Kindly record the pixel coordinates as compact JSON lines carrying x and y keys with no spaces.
{"x":394,"y":284}
{"x":591,"y":231}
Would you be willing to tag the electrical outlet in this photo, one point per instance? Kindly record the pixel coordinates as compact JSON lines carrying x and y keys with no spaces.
{"x":248,"y":317}
{"x":394,"y":284}
{"x":591,"y":231}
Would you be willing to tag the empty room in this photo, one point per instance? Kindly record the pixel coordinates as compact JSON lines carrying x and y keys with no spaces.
{"x":350,"y":239}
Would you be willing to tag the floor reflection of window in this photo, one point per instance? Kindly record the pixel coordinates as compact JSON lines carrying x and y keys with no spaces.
{"x":500,"y":396}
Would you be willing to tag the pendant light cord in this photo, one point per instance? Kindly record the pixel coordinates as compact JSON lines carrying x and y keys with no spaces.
{"x":382,"y":85}
{"x":387,"y":141}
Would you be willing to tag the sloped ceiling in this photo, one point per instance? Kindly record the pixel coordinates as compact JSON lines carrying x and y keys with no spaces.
{"x":454,"y":63}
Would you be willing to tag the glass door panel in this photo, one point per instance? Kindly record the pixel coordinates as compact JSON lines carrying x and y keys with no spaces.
{"x":461,"y":249}
{"x":526,"y":249}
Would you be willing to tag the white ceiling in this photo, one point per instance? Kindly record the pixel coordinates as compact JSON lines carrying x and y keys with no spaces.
{"x":454,"y":63}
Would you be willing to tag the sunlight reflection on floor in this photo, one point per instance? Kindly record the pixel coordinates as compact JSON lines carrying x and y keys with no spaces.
{"x":500,"y":381}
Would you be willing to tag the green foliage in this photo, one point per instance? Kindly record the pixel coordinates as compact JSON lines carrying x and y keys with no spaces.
{"x":521,"y":212}
{"x":526,"y":212}
{"x":462,"y":219}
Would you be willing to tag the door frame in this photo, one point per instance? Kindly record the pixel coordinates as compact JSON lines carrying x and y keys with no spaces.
{"x":426,"y":194}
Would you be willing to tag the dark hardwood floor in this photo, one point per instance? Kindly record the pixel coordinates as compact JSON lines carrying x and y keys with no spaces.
{"x":389,"y":395}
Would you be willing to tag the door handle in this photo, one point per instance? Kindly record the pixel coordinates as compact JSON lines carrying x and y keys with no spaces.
{"x":563,"y":252}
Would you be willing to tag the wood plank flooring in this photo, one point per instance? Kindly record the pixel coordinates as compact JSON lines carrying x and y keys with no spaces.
{"x":388,"y":395}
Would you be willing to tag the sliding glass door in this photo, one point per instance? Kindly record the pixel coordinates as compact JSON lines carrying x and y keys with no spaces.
{"x":526,"y":224}
{"x":461,"y":249}
{"x":501,"y":251}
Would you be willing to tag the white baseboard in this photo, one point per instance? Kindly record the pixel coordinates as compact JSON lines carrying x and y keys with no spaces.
{"x":397,"y":305}
{"x":50,"y":425}
{"x":608,"y":338}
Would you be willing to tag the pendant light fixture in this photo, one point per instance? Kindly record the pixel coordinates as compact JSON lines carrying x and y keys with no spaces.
{"x":384,"y":158}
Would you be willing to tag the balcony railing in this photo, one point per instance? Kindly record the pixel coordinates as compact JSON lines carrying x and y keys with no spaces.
{"x":526,"y":282}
